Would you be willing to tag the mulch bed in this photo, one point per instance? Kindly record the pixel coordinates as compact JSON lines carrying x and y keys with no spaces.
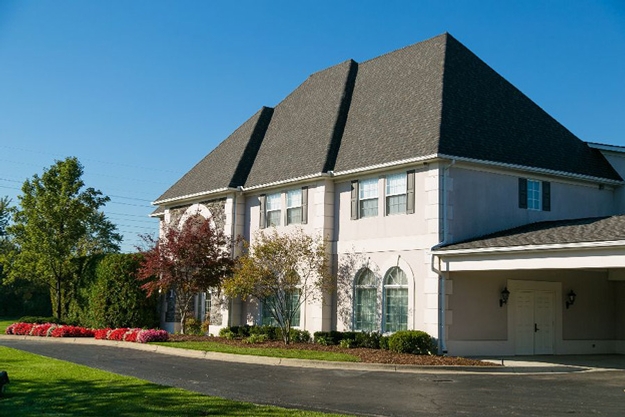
{"x":365,"y":355}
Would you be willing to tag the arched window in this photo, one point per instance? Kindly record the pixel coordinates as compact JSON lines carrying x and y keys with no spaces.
{"x":395,"y":300}
{"x":365,"y":301}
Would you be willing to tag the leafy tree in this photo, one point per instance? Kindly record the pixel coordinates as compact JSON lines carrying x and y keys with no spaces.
{"x":282,"y":271}
{"x":190,"y":259}
{"x":5,"y":244}
{"x":57,"y":224}
{"x":116,"y":299}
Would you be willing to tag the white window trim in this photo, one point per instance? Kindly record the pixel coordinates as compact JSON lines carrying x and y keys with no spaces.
{"x":540,"y":195}
{"x":387,"y":194}
{"x":289,"y":207}
{"x":272,"y":210}
{"x":376,"y":198}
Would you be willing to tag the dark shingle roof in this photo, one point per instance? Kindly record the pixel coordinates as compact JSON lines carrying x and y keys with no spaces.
{"x":431,"y":98}
{"x":486,"y":118}
{"x":594,"y":229}
{"x":395,"y":112}
{"x":304,"y":126}
{"x":229,"y":164}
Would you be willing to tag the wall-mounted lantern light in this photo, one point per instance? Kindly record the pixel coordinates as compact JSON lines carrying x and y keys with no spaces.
{"x":505,"y":294}
{"x":570,"y":298}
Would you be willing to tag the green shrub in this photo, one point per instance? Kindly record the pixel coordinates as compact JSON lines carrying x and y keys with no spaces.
{"x":227,"y":333}
{"x":37,"y":319}
{"x":411,"y":341}
{"x":300,"y":336}
{"x":368,"y":340}
{"x":193,"y":326}
{"x":116,"y":299}
{"x":321,"y":339}
{"x":257,"y":338}
{"x":347,"y":343}
{"x":384,"y":342}
{"x":272,"y":332}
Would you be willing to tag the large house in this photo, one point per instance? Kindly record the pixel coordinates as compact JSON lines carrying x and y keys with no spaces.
{"x":466,"y":210}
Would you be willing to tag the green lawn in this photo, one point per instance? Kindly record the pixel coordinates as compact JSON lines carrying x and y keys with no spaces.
{"x":6,"y":322}
{"x":260,"y":351}
{"x":43,"y":386}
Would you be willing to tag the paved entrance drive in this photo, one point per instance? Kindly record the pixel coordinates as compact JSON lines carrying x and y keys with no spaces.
{"x":570,"y":391}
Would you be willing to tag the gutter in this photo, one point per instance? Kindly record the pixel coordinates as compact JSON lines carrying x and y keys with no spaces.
{"x":531,"y":248}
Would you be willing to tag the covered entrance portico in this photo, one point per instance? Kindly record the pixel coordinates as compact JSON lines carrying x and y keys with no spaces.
{"x":537,"y":318}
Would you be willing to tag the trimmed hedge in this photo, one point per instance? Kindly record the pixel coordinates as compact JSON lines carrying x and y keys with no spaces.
{"x":412,"y":341}
{"x":263,"y":332}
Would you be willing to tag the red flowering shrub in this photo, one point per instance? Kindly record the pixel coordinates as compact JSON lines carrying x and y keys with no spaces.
{"x":131,"y":335}
{"x":71,"y":331}
{"x":42,"y":329}
{"x":102,"y":333}
{"x":21,"y":329}
{"x":118,"y":334}
{"x":151,"y":335}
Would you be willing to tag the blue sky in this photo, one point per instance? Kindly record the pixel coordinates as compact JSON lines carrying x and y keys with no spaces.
{"x":140,"y":91}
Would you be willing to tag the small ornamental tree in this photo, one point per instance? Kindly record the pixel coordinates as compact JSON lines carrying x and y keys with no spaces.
{"x":188,"y":260}
{"x":282,"y":271}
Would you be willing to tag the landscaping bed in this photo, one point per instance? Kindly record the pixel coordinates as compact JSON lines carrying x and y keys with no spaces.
{"x":363,"y":354}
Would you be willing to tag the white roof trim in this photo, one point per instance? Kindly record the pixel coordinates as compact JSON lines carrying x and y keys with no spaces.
{"x":188,"y":196}
{"x":385,"y":165}
{"x":606,"y":147}
{"x":296,"y":179}
{"x":530,"y":248}
{"x":533,"y":169}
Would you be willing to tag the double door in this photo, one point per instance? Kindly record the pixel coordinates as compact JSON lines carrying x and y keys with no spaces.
{"x":535,"y":322}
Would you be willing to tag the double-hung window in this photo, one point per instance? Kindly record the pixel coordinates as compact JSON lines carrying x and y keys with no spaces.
{"x":396,"y":192}
{"x":294,"y":207}
{"x":273,"y":209}
{"x":534,"y":194}
{"x":368,"y":197}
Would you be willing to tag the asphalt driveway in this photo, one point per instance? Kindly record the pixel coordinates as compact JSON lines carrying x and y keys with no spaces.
{"x":567,"y":391}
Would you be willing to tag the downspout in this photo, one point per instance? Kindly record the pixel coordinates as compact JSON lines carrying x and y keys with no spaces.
{"x":442,"y":345}
{"x":232,"y":248}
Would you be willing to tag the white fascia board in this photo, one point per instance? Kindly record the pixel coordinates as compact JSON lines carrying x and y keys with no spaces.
{"x":191,"y":196}
{"x":385,"y":165}
{"x":606,"y":147}
{"x":530,"y":248}
{"x":287,"y":181}
{"x":534,"y":169}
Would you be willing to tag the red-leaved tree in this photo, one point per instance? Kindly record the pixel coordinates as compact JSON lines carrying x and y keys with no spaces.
{"x":188,"y":259}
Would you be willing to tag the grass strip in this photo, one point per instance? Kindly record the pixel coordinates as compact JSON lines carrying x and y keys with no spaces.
{"x":6,"y":322}
{"x":273,"y":352}
{"x":42,"y":386}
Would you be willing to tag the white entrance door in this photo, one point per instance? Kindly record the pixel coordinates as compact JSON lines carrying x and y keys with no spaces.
{"x":535,"y":322}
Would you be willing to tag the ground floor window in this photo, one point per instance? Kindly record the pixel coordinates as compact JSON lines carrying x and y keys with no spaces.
{"x":395,"y":300}
{"x":291,"y":301}
{"x":365,"y":302}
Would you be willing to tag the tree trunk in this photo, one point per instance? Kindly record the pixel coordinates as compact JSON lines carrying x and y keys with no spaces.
{"x":58,"y":299}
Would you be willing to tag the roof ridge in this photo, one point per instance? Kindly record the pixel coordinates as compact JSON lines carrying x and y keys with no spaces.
{"x":341,"y":118}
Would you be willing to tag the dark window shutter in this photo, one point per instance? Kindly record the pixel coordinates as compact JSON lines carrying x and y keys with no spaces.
{"x":546,"y":196}
{"x":263,"y":200}
{"x":410,"y":191}
{"x":304,"y":205}
{"x":354,"y":200}
{"x":522,"y":193}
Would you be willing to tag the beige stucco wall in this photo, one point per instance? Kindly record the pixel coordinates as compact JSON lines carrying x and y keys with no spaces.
{"x":476,"y":313}
{"x":383,"y":242}
{"x":617,"y":160}
{"x":487,"y":201}
{"x":619,"y":293}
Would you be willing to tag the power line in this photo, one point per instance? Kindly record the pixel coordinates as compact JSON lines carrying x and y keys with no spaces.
{"x":92,"y":160}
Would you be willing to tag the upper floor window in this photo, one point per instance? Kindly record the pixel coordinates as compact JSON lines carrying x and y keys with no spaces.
{"x":273,"y":209}
{"x":294,"y":207}
{"x":396,"y":187}
{"x":368,"y":197}
{"x":399,"y":194}
{"x":534,"y":194}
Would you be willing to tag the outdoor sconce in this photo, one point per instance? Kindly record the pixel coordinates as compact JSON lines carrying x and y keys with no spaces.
{"x":505,"y":294}
{"x":570,"y":298}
